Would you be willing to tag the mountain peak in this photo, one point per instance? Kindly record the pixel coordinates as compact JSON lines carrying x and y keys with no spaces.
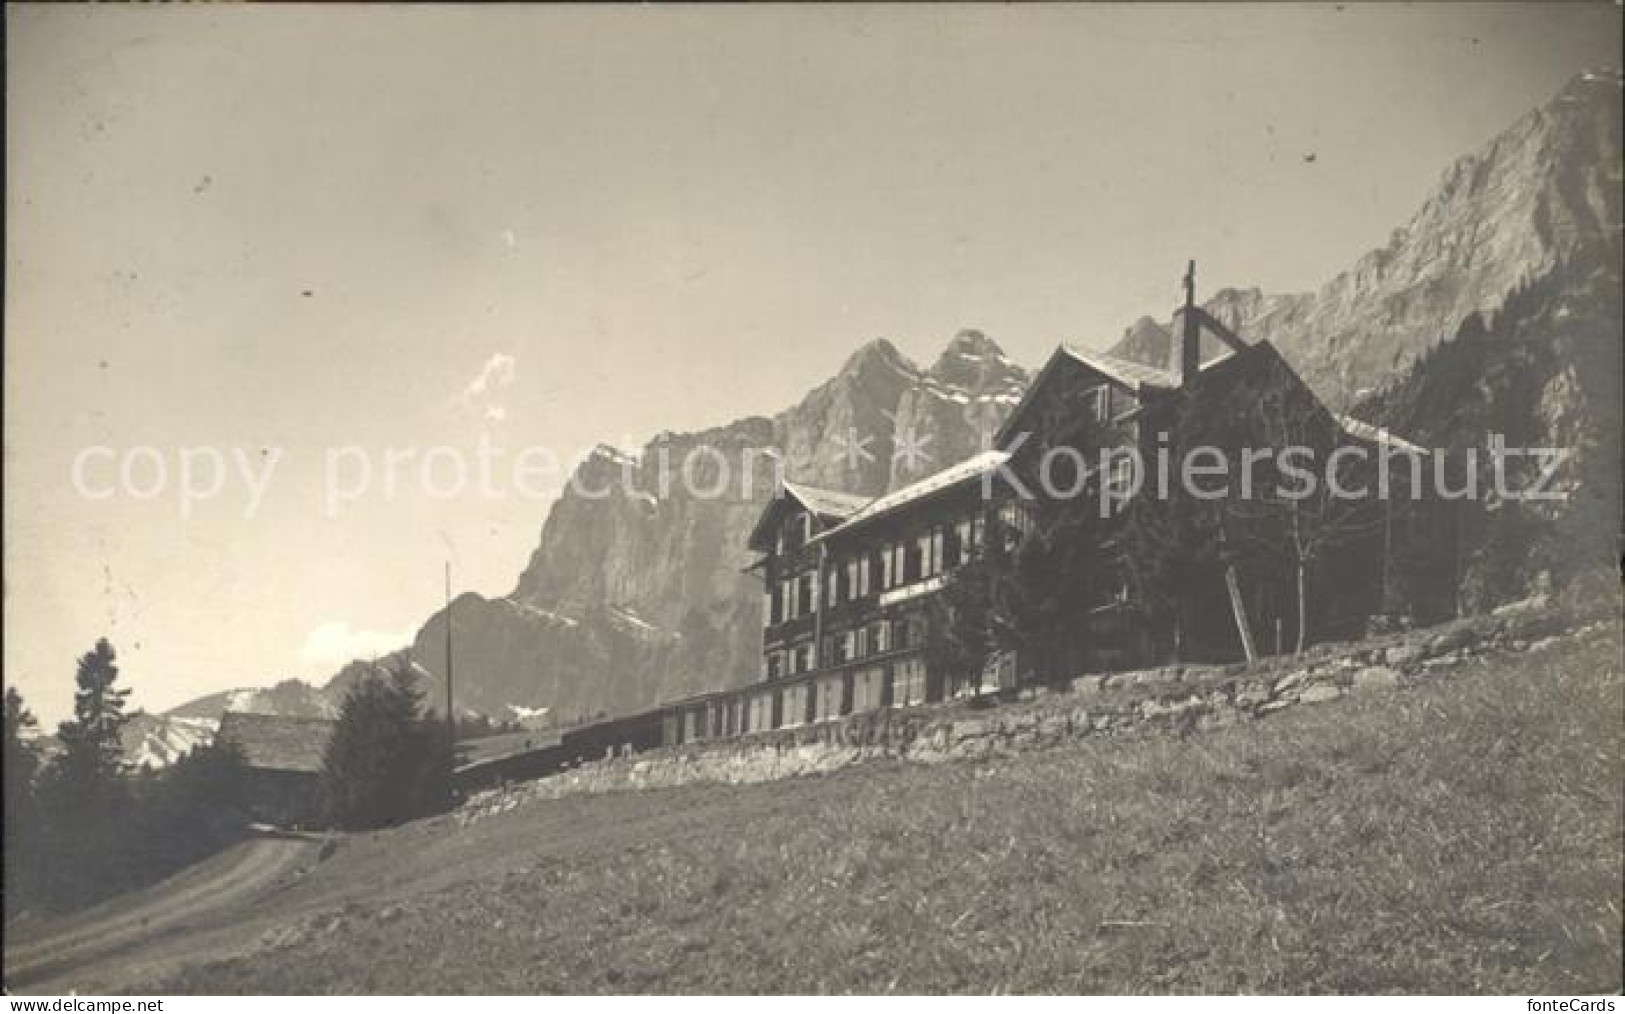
{"x":969,"y":359}
{"x":878,"y":353}
{"x":1542,"y":194}
{"x":972,"y":342}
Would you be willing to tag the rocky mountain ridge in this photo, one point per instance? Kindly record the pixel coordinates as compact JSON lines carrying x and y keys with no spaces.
{"x":638,"y":596}
{"x":1493,"y":314}
{"x":636,"y":592}
{"x":641,"y":598}
{"x":1541,"y":197}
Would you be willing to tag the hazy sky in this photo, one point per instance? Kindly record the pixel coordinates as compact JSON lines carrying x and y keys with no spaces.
{"x":287,"y":229}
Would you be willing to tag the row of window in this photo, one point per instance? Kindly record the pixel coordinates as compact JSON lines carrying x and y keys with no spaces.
{"x":799,"y":658}
{"x":820,"y":701}
{"x":914,"y":559}
{"x":874,"y":638}
{"x":793,"y":597}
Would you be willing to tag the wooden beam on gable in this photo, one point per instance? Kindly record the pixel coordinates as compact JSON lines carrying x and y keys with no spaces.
{"x":1223,"y":333}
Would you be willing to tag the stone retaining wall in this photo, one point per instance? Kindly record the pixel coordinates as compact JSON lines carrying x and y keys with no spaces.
{"x":1181,"y":699}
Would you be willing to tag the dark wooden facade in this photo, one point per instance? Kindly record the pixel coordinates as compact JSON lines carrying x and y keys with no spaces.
{"x":847,"y":580}
{"x":282,"y":759}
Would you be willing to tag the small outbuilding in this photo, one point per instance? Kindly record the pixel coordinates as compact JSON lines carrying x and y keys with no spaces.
{"x":283,"y":756}
{"x":507,"y":757}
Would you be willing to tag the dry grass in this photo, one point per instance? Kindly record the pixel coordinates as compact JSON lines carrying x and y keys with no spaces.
{"x":1463,"y":836}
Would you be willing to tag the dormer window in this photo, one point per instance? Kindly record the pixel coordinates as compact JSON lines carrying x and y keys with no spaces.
{"x":1098,"y":400}
{"x":793,"y":535}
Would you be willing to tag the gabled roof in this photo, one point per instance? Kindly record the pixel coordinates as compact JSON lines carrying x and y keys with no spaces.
{"x":828,"y":505}
{"x":277,"y":742}
{"x":1133,"y":375}
{"x":954,"y":475}
{"x":1137,"y":377}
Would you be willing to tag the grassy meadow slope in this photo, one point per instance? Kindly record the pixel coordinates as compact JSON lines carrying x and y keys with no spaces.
{"x":1464,"y":835}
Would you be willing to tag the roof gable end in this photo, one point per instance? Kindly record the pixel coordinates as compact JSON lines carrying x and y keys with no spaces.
{"x":828,"y":505}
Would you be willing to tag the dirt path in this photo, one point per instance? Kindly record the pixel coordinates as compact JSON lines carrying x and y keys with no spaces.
{"x":193,"y":899}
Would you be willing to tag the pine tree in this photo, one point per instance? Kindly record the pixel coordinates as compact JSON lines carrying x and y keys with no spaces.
{"x":387,"y":762}
{"x":84,"y":796}
{"x":92,"y":758}
{"x":959,"y":633}
{"x":22,"y":756}
{"x":1167,"y":547}
{"x":192,"y":808}
{"x":1047,"y":568}
{"x":22,"y":830}
{"x":1052,"y":578}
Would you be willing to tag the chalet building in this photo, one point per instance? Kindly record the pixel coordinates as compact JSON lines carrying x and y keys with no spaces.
{"x":1251,"y":398}
{"x":283,"y":760}
{"x":846,"y":580}
{"x":845,"y":588}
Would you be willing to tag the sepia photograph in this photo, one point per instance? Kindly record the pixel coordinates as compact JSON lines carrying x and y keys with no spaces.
{"x":1111,"y":499}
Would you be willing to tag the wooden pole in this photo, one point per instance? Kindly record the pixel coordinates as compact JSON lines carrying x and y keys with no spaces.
{"x":1387,"y":553}
{"x":451,"y":719}
{"x":1240,"y":610}
{"x":1189,"y":353}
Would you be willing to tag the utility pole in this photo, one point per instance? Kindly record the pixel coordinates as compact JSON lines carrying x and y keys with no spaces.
{"x":1386,"y":604}
{"x":1188,"y":360}
{"x":1238,"y":607}
{"x":451,"y":719}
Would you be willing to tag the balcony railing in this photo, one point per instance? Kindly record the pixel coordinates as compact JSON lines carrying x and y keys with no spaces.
{"x":777,"y":635}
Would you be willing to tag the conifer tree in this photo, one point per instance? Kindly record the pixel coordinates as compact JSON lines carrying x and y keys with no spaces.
{"x":1168,"y":547}
{"x":191,"y":808}
{"x":387,"y":762}
{"x":92,"y":758}
{"x":959,"y":633}
{"x":22,"y":830}
{"x":1052,"y":577}
{"x":84,"y":796}
{"x":21,"y":755}
{"x":1048,"y":569}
